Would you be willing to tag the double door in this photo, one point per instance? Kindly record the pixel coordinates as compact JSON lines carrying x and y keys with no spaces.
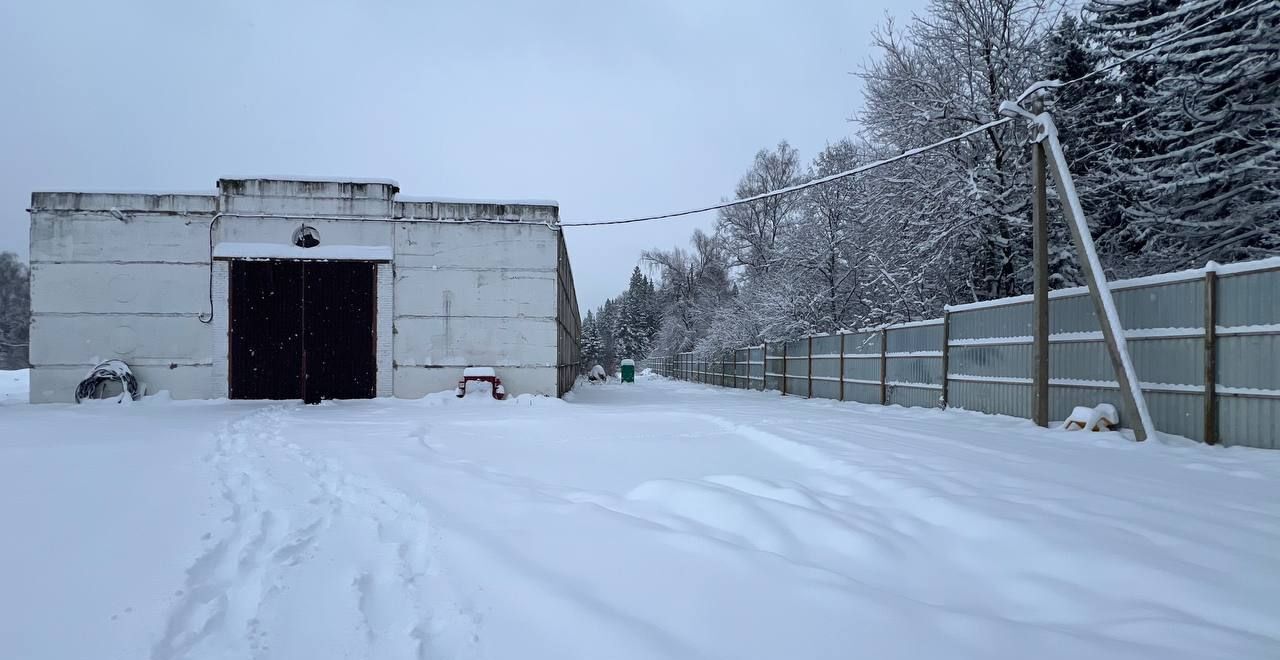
{"x":302,"y":330}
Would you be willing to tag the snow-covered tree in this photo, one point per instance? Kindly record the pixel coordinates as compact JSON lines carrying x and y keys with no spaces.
{"x":946,"y":72}
{"x":1202,"y":127}
{"x":694,"y":285}
{"x":15,"y":311}
{"x":592,"y":343}
{"x":751,"y":232}
{"x":1174,"y":155}
{"x":606,"y":318}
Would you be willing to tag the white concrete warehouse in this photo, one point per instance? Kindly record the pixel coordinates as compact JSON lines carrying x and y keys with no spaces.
{"x":281,"y":287}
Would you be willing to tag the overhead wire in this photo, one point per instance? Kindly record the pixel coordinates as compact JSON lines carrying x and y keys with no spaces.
{"x":1033,"y":89}
{"x":800,"y":186}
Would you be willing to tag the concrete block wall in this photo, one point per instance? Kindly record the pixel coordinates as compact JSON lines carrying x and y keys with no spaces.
{"x":131,"y":288}
{"x":475,"y":294}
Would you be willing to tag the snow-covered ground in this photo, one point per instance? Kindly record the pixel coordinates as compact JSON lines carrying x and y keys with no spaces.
{"x":13,"y":386}
{"x":654,"y":520}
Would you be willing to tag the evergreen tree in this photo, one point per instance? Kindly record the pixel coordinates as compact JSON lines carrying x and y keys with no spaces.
{"x":592,"y":344}
{"x":628,"y":340}
{"x":1203,"y":117}
{"x":606,"y":318}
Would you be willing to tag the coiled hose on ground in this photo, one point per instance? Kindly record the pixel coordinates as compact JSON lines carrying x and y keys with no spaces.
{"x":106,"y":372}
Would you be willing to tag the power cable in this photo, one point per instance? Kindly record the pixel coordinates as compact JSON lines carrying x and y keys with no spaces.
{"x":800,"y":186}
{"x":1033,"y":89}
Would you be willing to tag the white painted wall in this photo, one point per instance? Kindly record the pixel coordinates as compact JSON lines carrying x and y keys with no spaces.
{"x":475,"y":295}
{"x":457,"y":293}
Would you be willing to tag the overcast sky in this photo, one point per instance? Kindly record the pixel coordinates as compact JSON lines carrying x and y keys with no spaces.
{"x":614,"y":109}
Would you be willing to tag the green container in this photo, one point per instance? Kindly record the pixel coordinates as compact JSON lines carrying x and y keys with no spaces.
{"x":628,"y":371}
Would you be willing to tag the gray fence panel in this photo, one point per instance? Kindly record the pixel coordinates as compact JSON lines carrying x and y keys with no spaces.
{"x":773,"y":365}
{"x":1249,"y":361}
{"x":1062,"y":400}
{"x":994,"y":398}
{"x":914,"y":338}
{"x":862,"y":343}
{"x":797,"y":362}
{"x":863,"y":369}
{"x":1080,"y":361}
{"x":756,"y":370}
{"x":922,"y":370}
{"x":914,"y":396}
{"x":1179,"y":361}
{"x":1008,"y":361}
{"x":1249,"y":299}
{"x":1176,"y":412}
{"x":1172,"y":368}
{"x":862,"y":393}
{"x":1177,"y":305}
{"x":826,"y":367}
{"x":826,"y":345}
{"x":1249,"y":421}
{"x":1002,"y":321}
{"x":1071,"y":314}
{"x":826,"y":389}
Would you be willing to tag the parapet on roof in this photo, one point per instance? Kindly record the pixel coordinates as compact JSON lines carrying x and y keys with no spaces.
{"x":354,"y":197}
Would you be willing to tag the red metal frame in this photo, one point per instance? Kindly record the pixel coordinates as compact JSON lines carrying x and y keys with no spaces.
{"x":499,"y":392}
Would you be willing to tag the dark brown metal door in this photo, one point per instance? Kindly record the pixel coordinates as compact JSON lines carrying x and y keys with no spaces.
{"x":302,"y":330}
{"x":339,"y":318}
{"x":266,"y":330}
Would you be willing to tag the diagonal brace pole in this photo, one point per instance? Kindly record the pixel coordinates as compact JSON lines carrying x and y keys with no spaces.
{"x":1103,"y":303}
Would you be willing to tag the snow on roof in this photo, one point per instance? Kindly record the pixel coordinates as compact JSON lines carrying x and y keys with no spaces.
{"x":228,"y":250}
{"x":312,"y":179}
{"x":464,"y":200}
{"x":478,"y":372}
{"x":100,"y":191}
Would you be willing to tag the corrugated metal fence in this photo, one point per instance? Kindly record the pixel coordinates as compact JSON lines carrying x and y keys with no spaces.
{"x":1186,"y":331}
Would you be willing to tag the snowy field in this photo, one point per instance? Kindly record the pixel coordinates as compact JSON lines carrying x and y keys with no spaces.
{"x":660,"y":520}
{"x":13,"y":387}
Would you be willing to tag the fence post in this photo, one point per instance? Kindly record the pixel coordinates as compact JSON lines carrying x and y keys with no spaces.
{"x":1210,"y":357}
{"x":784,"y":368}
{"x":764,"y":363}
{"x":884,"y":367}
{"x":764,"y":369}
{"x":841,"y":367}
{"x":946,"y":357}
{"x":809,"y":393}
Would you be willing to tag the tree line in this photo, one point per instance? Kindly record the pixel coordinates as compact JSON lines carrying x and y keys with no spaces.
{"x":1175,"y":155}
{"x":15,"y":311}
{"x":624,"y":327}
